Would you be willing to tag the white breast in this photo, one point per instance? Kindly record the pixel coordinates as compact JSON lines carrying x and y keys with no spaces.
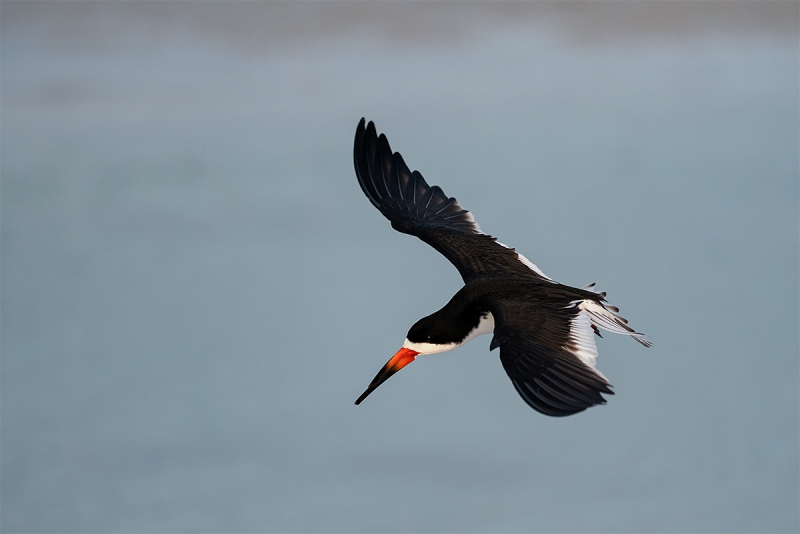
{"x":485,"y":326}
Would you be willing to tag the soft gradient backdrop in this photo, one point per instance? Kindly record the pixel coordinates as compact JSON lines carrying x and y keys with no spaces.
{"x":195,"y":290}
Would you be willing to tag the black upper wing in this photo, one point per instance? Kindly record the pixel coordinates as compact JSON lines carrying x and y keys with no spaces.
{"x":415,"y":208}
{"x":545,"y":351}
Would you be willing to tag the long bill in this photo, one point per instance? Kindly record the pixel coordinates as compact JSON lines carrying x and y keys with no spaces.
{"x":402,"y":358}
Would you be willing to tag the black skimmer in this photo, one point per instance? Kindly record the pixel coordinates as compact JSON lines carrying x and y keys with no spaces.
{"x":545,"y":330}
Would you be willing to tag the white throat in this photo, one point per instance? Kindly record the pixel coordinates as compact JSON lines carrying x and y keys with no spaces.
{"x":485,"y":326}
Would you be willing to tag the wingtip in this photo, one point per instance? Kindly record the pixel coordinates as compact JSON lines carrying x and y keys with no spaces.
{"x":361,"y":126}
{"x":364,"y":127}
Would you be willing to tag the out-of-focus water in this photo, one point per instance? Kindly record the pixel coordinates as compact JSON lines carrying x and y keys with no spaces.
{"x":195,"y":290}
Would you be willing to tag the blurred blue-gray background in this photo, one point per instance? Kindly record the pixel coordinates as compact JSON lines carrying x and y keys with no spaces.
{"x":195,"y":290}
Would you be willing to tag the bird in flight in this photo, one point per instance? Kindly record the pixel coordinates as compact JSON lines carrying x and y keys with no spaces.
{"x":544,"y":330}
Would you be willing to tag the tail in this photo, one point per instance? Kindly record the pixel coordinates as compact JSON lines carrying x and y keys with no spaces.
{"x":607,"y":317}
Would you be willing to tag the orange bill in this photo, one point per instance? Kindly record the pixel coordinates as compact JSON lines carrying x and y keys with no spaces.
{"x":402,"y":358}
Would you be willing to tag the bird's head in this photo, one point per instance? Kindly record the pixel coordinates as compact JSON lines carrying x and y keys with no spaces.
{"x":427,"y":336}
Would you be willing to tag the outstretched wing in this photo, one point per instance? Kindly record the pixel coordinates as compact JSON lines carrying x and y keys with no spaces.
{"x":549,"y":354}
{"x":424,"y":211}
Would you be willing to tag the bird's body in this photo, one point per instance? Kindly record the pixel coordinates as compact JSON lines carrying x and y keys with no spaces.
{"x":545,"y":330}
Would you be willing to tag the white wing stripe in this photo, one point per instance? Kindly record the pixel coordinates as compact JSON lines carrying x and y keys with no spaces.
{"x":527,"y":263}
{"x":581,"y":341}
